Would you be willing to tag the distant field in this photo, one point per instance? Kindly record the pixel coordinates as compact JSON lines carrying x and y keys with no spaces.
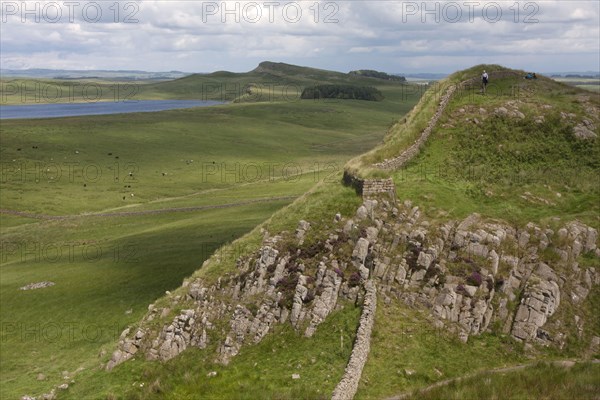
{"x":212,"y":173}
{"x":592,"y":84}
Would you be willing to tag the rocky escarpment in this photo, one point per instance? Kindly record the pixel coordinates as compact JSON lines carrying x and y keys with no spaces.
{"x":474,"y":276}
{"x":272,"y":286}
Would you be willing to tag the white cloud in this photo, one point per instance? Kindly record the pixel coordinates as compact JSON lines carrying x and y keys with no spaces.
{"x":390,"y":35}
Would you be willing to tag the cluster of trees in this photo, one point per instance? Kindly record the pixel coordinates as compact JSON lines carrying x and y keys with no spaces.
{"x":342,"y":92}
{"x":379,"y":75}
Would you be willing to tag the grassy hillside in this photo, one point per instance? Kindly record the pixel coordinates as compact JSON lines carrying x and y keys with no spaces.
{"x":518,"y":168}
{"x":510,"y":154}
{"x":114,"y":242}
{"x":268,"y":82}
{"x":503,"y":166}
{"x":552,"y":382}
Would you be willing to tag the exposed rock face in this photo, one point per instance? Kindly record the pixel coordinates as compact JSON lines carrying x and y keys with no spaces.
{"x":539,"y":302}
{"x":268,"y":276}
{"x":325,"y":303}
{"x":361,"y":250}
{"x":303,"y":226}
{"x":469,"y":273}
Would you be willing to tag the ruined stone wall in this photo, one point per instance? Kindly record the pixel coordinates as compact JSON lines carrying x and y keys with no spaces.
{"x":348,"y":385}
{"x":371,"y":187}
{"x":413,"y":150}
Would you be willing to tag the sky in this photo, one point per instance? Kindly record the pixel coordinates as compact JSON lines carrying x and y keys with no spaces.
{"x":391,"y":36}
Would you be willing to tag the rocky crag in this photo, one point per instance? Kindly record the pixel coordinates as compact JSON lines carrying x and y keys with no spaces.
{"x":474,"y":276}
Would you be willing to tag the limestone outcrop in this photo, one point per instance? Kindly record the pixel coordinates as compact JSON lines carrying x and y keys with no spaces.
{"x":474,"y":275}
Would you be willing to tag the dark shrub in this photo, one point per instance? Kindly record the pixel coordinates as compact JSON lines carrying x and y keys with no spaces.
{"x":441,"y":280}
{"x":253,"y":308}
{"x":499,"y":282}
{"x":286,"y":301}
{"x":354,"y":279}
{"x":292,"y":267}
{"x":312,"y":250}
{"x":287,"y":283}
{"x":475,"y":279}
{"x":342,"y":92}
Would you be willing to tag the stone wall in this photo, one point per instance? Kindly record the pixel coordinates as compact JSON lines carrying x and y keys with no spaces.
{"x":413,"y":150}
{"x":348,"y":385}
{"x":371,"y":187}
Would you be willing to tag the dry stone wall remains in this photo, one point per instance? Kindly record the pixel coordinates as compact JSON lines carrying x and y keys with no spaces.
{"x":348,"y":385}
{"x":413,"y":150}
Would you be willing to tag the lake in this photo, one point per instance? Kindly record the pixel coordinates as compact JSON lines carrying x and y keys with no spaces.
{"x":29,"y":111}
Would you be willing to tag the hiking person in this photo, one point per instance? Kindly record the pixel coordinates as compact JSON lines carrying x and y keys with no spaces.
{"x":484,"y":80}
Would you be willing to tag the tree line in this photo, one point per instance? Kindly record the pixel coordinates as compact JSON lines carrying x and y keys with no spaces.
{"x":347,"y":92}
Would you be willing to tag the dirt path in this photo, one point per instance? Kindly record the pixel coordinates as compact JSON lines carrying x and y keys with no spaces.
{"x":558,"y":363}
{"x":144,"y":212}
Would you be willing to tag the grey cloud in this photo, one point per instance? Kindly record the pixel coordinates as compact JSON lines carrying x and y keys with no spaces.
{"x":174,"y":35}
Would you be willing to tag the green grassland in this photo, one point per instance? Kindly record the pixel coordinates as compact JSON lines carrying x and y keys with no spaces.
{"x":547,"y":381}
{"x":200,"y":178}
{"x":591,"y":84}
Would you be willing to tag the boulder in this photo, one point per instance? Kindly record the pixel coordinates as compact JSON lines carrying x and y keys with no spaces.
{"x":361,"y":249}
{"x":424,"y":260}
{"x":362,"y":213}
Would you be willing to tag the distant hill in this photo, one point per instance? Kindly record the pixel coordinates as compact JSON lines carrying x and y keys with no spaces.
{"x":424,"y":75}
{"x":230,"y":86}
{"x":377,"y":74}
{"x":121,"y":75}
